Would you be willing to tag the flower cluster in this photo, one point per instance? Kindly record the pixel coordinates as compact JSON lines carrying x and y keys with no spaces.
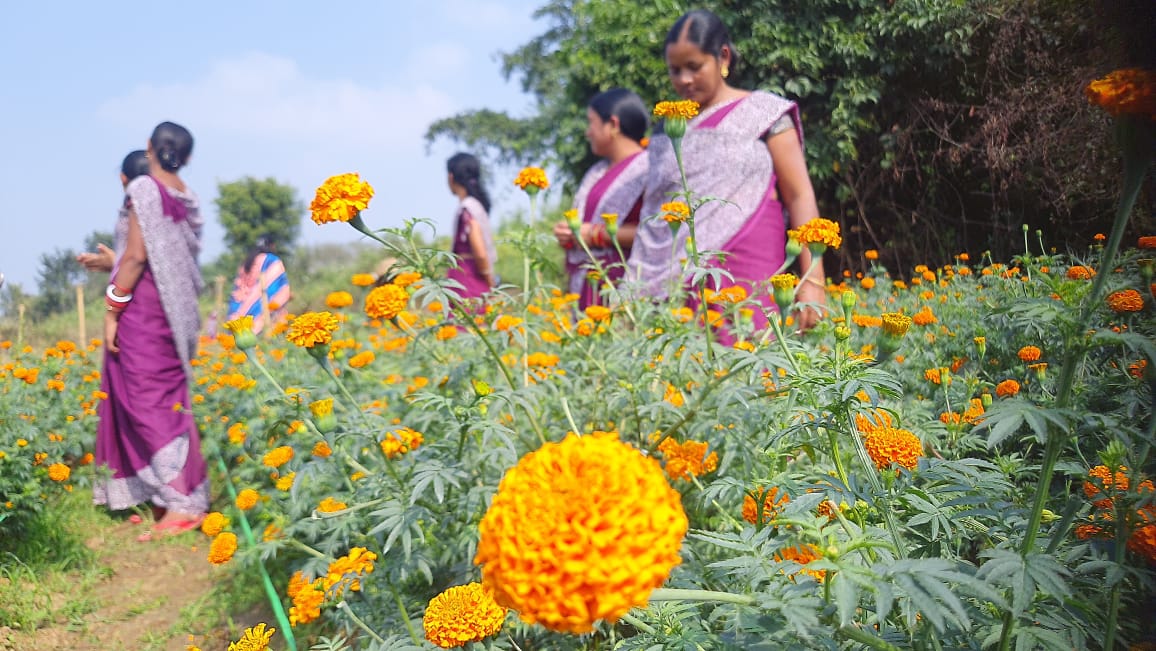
{"x":311,"y":329}
{"x":462,"y":614}
{"x":1125,"y":300}
{"x":1126,"y":91}
{"x":675,"y":212}
{"x":682,"y":109}
{"x":222,"y":548}
{"x":580,"y":531}
{"x":532,"y":179}
{"x":340,"y":198}
{"x":400,"y":441}
{"x":822,"y":233}
{"x":1030,"y":354}
{"x":887,"y":444}
{"x":687,"y":460}
{"x":773,"y":503}
{"x":386,"y":302}
{"x":254,"y":639}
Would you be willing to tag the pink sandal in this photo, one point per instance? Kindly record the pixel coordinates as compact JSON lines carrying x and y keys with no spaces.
{"x":167,"y":529}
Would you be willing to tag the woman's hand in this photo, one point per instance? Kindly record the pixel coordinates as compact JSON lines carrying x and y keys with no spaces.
{"x":563,"y":234}
{"x":111,"y":325}
{"x":808,"y":316}
{"x":102,"y":260}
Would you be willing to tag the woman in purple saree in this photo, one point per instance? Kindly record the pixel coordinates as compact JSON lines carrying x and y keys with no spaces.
{"x":147,"y":435}
{"x":617,"y":122}
{"x":745,"y":148}
{"x":473,"y":239}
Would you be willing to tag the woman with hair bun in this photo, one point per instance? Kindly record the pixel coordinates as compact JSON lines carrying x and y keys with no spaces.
{"x":617,"y":122}
{"x":473,"y":239}
{"x":147,"y":436}
{"x":743,"y":147}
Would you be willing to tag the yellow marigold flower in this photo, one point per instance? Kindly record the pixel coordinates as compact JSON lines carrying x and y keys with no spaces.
{"x":311,"y":329}
{"x":247,"y":499}
{"x":673,"y":395}
{"x":54,"y":385}
{"x":887,"y":445}
{"x":223,"y":548}
{"x":337,"y":300}
{"x":214,"y":523}
{"x":362,"y":280}
{"x":400,"y":441}
{"x":784,"y":281}
{"x":1127,"y":300}
{"x":599,"y":313}
{"x":532,"y":177}
{"x":818,"y":231}
{"x":542,"y":360}
{"x":871,"y":254}
{"x":462,"y":614}
{"x":406,"y":278}
{"x":285,"y":482}
{"x":386,"y":302}
{"x":686,"y":460}
{"x":322,"y":449}
{"x":343,"y":572}
{"x":1080,"y":272}
{"x":1007,"y":388}
{"x":330,"y":505}
{"x":254,"y":639}
{"x":896,"y":324}
{"x":924,"y":317}
{"x":278,"y":457}
{"x":362,"y":359}
{"x":307,"y":597}
{"x":340,"y":198}
{"x":272,"y":532}
{"x":240,"y":324}
{"x":1030,"y":353}
{"x":59,"y":472}
{"x":506,"y":322}
{"x":445,"y":333}
{"x":321,"y":408}
{"x":773,"y":504}
{"x":565,"y":562}
{"x":684,"y":109}
{"x":1125,"y":91}
{"x":675,"y":211}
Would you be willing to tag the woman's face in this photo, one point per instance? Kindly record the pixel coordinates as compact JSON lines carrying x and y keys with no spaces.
{"x":694,"y":74}
{"x":599,"y":133}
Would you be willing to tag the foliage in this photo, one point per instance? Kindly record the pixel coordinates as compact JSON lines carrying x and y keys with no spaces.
{"x":56,"y":282}
{"x":252,"y":208}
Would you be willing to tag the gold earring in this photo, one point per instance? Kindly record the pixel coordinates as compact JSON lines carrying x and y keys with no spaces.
{"x":726,"y":72}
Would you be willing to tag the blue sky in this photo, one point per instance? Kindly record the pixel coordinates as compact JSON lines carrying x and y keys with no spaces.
{"x":293,"y":90}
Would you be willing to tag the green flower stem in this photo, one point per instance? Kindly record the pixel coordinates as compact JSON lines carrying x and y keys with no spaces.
{"x":690,"y":413}
{"x":777,"y":327}
{"x":639,"y":624}
{"x":360,"y":226}
{"x":1137,"y":158}
{"x":404,"y":614}
{"x":363,"y":626}
{"x":345,"y":393}
{"x":603,"y":273}
{"x":308,"y":550}
{"x":265,"y":372}
{"x":679,"y":594}
{"x":863,"y":637}
{"x":570,"y":416}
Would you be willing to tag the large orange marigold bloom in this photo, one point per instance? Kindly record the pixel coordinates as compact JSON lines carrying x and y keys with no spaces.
{"x":59,"y":472}
{"x":534,"y":177}
{"x":818,"y":231}
{"x":1126,"y":91}
{"x":888,"y":445}
{"x":1146,"y":242}
{"x":1030,"y":354}
{"x":684,"y":109}
{"x":223,"y":548}
{"x":337,"y":300}
{"x":462,"y":614}
{"x":312,"y":328}
{"x":580,"y":531}
{"x":773,"y":503}
{"x":278,"y":457}
{"x":214,"y":523}
{"x":307,"y":598}
{"x":1142,"y":542}
{"x":1126,"y":300}
{"x":247,"y":499}
{"x":340,"y":198}
{"x":1080,"y":272}
{"x":686,"y":460}
{"x":1007,"y":388}
{"x":675,"y":211}
{"x":386,"y":302}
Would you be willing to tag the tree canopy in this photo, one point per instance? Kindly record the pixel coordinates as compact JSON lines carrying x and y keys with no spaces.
{"x":252,"y":208}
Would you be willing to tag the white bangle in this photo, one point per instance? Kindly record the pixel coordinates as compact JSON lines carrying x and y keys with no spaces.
{"x":113,"y":297}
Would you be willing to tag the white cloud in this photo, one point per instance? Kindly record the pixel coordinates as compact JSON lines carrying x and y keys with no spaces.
{"x":259,"y":95}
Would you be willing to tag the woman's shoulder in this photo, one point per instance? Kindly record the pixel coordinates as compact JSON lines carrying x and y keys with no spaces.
{"x":471,"y":207}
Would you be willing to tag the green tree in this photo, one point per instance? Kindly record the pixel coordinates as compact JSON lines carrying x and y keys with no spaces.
{"x":56,"y":281}
{"x":250,"y":209}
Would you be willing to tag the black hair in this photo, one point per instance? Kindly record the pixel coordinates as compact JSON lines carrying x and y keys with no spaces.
{"x":262,"y":245}
{"x":706,"y":31}
{"x":627,"y":106}
{"x":468,"y":173}
{"x":135,"y":164}
{"x":172,"y":145}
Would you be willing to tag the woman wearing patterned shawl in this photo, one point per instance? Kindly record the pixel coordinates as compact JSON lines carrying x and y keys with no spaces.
{"x":473,"y":239}
{"x":617,"y":122}
{"x":261,"y":288}
{"x":147,"y":436}
{"x":743,"y":147}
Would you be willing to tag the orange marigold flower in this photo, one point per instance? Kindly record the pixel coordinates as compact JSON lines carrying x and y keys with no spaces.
{"x":59,"y":472}
{"x":214,"y":523}
{"x":1125,"y":91}
{"x":1142,"y":542}
{"x":783,"y":282}
{"x":580,"y":531}
{"x":871,"y":254}
{"x":386,"y":302}
{"x":462,"y":614}
{"x":673,"y":395}
{"x":686,"y":460}
{"x":254,"y":639}
{"x":896,"y":324}
{"x":532,"y":177}
{"x":1030,"y":354}
{"x":362,"y":359}
{"x":684,"y":109}
{"x":406,"y":278}
{"x":322,"y":449}
{"x":1007,"y":388}
{"x":278,"y":457}
{"x":599,"y":313}
{"x":675,"y":211}
{"x":1126,"y":300}
{"x":447,"y":332}
{"x":223,"y":548}
{"x":362,"y":280}
{"x":340,"y":198}
{"x":818,"y":231}
{"x":337,"y":300}
{"x":330,"y":505}
{"x":400,"y":441}
{"x":867,"y":283}
{"x":1146,"y":242}
{"x":802,"y":554}
{"x":307,"y":598}
{"x":311,"y":329}
{"x":343,"y":572}
{"x":924,"y":317}
{"x":1080,"y":272}
{"x":247,"y":499}
{"x":773,"y":503}
{"x":1136,"y":369}
{"x":1101,"y":478}
{"x":506,"y":322}
{"x":888,"y":445}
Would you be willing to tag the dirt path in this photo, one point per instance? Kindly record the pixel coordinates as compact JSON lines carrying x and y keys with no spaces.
{"x":149,"y":600}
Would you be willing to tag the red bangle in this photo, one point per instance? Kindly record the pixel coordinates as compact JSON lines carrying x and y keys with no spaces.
{"x":598,"y":237}
{"x":113,"y":306}
{"x":122,"y":290}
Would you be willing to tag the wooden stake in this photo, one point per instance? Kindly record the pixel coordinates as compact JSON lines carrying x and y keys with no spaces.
{"x":81,"y":331}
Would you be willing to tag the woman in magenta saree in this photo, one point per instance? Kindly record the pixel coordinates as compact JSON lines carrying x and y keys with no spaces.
{"x":743,"y":147}
{"x":147,"y":436}
{"x":617,"y":122}
{"x":473,"y":239}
